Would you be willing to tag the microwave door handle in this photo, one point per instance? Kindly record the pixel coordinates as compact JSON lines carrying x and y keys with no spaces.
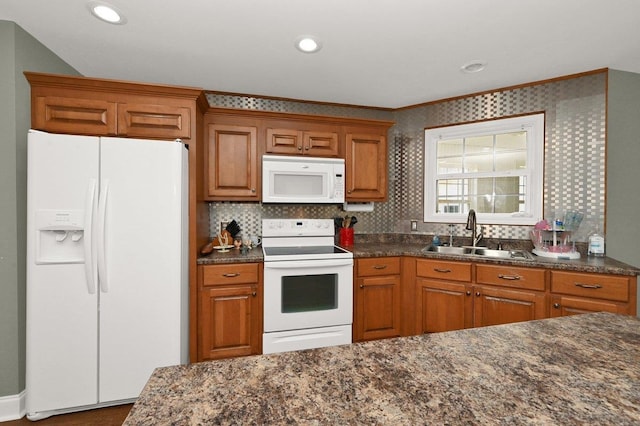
{"x":333,"y":185}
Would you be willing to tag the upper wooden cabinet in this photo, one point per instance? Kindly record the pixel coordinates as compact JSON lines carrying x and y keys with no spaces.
{"x":231,"y":156}
{"x":78,"y":105}
{"x":303,"y":142}
{"x":233,"y":161}
{"x":366,"y":164}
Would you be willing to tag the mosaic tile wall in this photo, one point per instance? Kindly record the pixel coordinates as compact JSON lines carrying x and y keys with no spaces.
{"x":574,"y":156}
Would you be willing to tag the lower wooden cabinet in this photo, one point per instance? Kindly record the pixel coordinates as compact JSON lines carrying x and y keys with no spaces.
{"x":577,"y":293}
{"x":443,"y":295}
{"x":443,"y":306}
{"x":230,"y":310}
{"x":448,"y":298}
{"x":377,"y":298}
{"x":495,"y":305}
{"x":505,"y":294}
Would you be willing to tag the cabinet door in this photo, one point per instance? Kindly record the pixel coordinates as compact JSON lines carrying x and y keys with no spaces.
{"x":566,"y":305}
{"x":154,"y":121}
{"x":230,"y":321}
{"x":283,"y":141}
{"x":232,"y":162}
{"x":492,"y":306}
{"x":377,"y":302}
{"x":74,"y":116}
{"x":442,"y":306}
{"x":320,"y":144}
{"x":366,"y":167}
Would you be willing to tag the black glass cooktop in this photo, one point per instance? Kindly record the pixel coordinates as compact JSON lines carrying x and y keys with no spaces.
{"x":302,"y":250}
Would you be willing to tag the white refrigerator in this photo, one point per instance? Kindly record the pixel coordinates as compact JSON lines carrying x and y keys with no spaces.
{"x":107,"y":274}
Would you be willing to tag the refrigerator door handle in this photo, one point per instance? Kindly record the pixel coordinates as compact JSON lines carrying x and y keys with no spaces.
{"x":102,"y":218}
{"x":89,"y":209}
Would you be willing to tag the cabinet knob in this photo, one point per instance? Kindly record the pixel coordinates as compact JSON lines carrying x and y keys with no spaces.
{"x":299,"y":148}
{"x":361,"y":285}
{"x":306,"y":148}
{"x":468,"y":293}
{"x":556,"y":305}
{"x":253,"y":190}
{"x":254,"y":294}
{"x":477,"y":294}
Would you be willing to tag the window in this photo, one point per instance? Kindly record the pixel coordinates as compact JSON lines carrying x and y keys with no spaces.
{"x":493,"y":167}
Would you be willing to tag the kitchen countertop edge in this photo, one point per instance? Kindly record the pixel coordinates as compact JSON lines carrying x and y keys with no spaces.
{"x":604,"y":265}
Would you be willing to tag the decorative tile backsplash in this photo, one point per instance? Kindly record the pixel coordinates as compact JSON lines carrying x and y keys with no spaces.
{"x":574,"y":155}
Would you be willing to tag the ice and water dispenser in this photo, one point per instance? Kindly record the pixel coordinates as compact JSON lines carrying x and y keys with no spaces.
{"x":59,"y":236}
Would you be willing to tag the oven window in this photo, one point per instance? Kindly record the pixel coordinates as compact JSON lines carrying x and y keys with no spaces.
{"x":305,"y":293}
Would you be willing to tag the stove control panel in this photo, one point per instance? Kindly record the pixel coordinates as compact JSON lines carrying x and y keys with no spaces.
{"x":297,"y":227}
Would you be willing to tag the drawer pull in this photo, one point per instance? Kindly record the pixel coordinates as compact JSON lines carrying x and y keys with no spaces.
{"x":231,"y":275}
{"x":380,"y":267}
{"x":593,"y":286}
{"x":509,"y":277}
{"x":444,"y":271}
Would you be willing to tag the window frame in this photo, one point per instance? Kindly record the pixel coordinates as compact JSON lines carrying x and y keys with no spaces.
{"x":533,"y":124}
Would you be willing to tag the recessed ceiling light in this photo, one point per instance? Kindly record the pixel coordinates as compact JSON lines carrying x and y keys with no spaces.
{"x":473,"y":66}
{"x":308,"y":44}
{"x":106,"y":13}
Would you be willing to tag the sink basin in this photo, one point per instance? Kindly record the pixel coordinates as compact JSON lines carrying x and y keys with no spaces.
{"x":503,"y":254}
{"x":481,"y":252}
{"x":450,"y":250}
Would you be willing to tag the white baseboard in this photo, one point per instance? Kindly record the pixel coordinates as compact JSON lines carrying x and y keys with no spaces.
{"x":12,"y":407}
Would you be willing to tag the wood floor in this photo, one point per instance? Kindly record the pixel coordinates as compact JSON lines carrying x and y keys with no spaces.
{"x":110,"y":416}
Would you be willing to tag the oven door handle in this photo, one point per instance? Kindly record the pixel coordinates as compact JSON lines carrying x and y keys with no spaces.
{"x":299,"y":264}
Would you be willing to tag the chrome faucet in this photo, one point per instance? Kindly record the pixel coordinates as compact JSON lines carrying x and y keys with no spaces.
{"x":473,"y":227}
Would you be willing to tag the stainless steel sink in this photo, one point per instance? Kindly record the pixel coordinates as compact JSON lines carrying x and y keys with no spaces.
{"x":504,"y":254}
{"x":481,"y":252}
{"x":450,"y":250}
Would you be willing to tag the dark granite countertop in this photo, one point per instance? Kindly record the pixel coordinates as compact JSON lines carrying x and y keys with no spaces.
{"x":370,"y":247}
{"x":582,"y":369}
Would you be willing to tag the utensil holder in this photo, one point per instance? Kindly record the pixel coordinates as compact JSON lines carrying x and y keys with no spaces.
{"x":346,"y":236}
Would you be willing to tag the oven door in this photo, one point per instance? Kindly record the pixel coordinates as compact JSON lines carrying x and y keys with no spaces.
{"x":307,"y":294}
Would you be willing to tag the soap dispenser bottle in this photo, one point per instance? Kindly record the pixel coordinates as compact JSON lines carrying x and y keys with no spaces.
{"x":596,"y":244}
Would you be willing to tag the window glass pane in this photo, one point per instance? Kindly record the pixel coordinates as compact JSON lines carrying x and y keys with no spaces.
{"x":478,"y":145}
{"x":450,"y":165}
{"x":511,"y":141}
{"x":451,"y":194}
{"x":477,"y":163}
{"x":511,"y":161}
{"x":449,"y":153}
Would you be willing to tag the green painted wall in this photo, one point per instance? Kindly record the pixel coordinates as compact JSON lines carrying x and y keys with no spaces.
{"x":19,"y":52}
{"x":623,"y":173}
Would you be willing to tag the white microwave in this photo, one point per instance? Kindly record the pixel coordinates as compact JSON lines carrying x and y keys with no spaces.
{"x":302,"y":179}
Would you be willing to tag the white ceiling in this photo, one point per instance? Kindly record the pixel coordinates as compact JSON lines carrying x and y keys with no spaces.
{"x":383,"y":53}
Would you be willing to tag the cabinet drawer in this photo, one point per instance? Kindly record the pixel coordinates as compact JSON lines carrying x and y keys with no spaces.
{"x":75,"y":116}
{"x":241,"y":273}
{"x":378,"y":266}
{"x":452,"y":271}
{"x":509,"y":276}
{"x":154,"y":121}
{"x":609,"y":287}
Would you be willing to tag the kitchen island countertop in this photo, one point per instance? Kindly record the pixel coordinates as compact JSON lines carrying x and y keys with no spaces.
{"x":582,"y":369}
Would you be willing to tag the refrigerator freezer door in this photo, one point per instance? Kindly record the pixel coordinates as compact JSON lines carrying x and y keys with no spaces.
{"x":140,"y":309}
{"x":62,"y":319}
